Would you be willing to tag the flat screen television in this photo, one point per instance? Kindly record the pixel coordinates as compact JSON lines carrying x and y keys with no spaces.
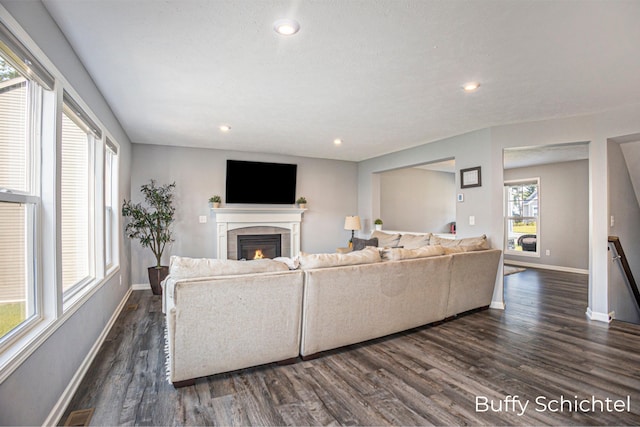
{"x":261,"y":182}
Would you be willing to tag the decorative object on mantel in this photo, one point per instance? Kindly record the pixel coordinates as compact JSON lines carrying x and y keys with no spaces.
{"x":152,"y":226}
{"x":352,"y":223}
{"x":302,"y":202}
{"x":378,"y":224}
{"x":470,"y":177}
{"x":215,"y":201}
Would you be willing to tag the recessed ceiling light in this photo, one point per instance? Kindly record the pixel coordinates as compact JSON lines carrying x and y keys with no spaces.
{"x":337,"y":141}
{"x":224,"y":128}
{"x":471,"y":86}
{"x":286,"y":27}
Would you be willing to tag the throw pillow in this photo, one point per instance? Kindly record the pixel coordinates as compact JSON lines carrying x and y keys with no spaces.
{"x":386,"y":240}
{"x":412,"y":241}
{"x":360,"y":244}
{"x":468,"y":244}
{"x":364,"y":256}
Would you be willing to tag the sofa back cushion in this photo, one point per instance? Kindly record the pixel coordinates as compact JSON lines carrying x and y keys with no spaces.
{"x":412,"y":241}
{"x":186,"y":268}
{"x":367,"y":255}
{"x":397,"y":254}
{"x":468,"y":244}
{"x":386,"y":240}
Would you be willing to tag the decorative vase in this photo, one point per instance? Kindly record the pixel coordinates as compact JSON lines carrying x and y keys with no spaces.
{"x":378,"y":227}
{"x":302,"y":205}
{"x":216,"y":205}
{"x":156,"y":276}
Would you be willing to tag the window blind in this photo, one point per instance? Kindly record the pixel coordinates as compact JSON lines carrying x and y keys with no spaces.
{"x":74,"y":203}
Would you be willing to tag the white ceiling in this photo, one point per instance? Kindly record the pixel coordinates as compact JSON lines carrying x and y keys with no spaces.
{"x":383,"y":75}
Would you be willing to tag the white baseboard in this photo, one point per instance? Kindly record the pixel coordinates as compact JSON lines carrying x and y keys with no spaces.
{"x":546,"y":267}
{"x":141,"y":286}
{"x":63,"y":402}
{"x":498,"y":305}
{"x":600,"y":317}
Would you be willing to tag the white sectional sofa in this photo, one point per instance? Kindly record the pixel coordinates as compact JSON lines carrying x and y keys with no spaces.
{"x":228,"y":315}
{"x":350,"y":304}
{"x":224,"y":322}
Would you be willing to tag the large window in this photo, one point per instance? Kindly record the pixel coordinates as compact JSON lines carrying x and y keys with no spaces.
{"x":77,"y":197}
{"x":522,"y":204}
{"x":58,"y":202}
{"x":20,"y":101}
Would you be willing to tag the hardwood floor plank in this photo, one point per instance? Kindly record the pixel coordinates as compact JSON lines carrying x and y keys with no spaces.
{"x":541,"y":346}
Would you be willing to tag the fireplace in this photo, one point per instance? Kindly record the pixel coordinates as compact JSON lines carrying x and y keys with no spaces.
{"x":233,"y":222}
{"x":256,"y":246}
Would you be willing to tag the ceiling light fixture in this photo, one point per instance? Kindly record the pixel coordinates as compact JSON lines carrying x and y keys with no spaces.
{"x":337,"y":141}
{"x":224,"y":128}
{"x":286,"y":27}
{"x":471,"y":86}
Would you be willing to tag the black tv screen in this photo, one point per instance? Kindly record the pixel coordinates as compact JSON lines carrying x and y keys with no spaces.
{"x":260,"y":182}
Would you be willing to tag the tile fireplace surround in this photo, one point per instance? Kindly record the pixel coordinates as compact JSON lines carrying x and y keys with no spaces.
{"x":231,"y":218}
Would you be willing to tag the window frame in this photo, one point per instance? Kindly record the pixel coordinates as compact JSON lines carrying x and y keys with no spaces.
{"x":30,"y":197}
{"x":112,"y":221}
{"x":507,"y":218}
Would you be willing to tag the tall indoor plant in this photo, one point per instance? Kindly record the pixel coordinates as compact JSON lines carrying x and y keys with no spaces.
{"x":151,"y":225}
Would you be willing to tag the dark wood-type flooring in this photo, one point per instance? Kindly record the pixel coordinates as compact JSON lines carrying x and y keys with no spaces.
{"x":541,"y":347}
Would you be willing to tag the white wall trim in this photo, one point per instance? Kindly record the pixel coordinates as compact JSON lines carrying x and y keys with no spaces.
{"x":599,"y":317}
{"x":498,"y":305}
{"x":61,"y":405}
{"x":140,"y":287}
{"x":547,"y":267}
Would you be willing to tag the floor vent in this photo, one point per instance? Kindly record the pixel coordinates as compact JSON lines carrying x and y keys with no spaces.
{"x":79,"y":418}
{"x":132,"y":307}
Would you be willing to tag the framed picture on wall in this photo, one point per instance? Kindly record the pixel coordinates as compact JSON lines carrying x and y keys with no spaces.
{"x":470,"y":177}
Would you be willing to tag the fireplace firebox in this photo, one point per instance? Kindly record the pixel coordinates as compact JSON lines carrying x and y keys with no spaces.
{"x":256,"y":246}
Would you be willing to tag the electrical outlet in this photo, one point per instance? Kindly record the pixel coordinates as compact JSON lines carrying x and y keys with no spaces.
{"x":548,"y":252}
{"x":472,"y":220}
{"x":203,"y":219}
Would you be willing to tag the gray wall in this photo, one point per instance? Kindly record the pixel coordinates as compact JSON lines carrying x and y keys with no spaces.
{"x":28,"y":395}
{"x":624,"y":208}
{"x":469,"y":150}
{"x":564,"y":213}
{"x":329,"y":186}
{"x":415,"y":199}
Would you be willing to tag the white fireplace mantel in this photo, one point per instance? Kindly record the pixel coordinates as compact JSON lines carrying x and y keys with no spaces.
{"x":231,"y":218}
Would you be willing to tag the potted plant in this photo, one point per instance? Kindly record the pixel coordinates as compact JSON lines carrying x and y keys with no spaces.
{"x":215,"y":201}
{"x":378,"y":224}
{"x":302,"y":202}
{"x":151,"y":225}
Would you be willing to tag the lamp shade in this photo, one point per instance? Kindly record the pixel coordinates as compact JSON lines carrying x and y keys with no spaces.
{"x":352,"y":223}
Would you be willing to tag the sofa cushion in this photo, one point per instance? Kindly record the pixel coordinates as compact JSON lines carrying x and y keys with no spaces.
{"x":186,"y":268}
{"x":468,"y":244}
{"x":360,"y":244}
{"x":365,"y":256}
{"x":386,"y":240}
{"x":397,"y":254}
{"x":412,"y":241}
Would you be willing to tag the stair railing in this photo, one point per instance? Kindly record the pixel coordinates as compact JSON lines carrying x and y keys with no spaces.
{"x":620,"y":256}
